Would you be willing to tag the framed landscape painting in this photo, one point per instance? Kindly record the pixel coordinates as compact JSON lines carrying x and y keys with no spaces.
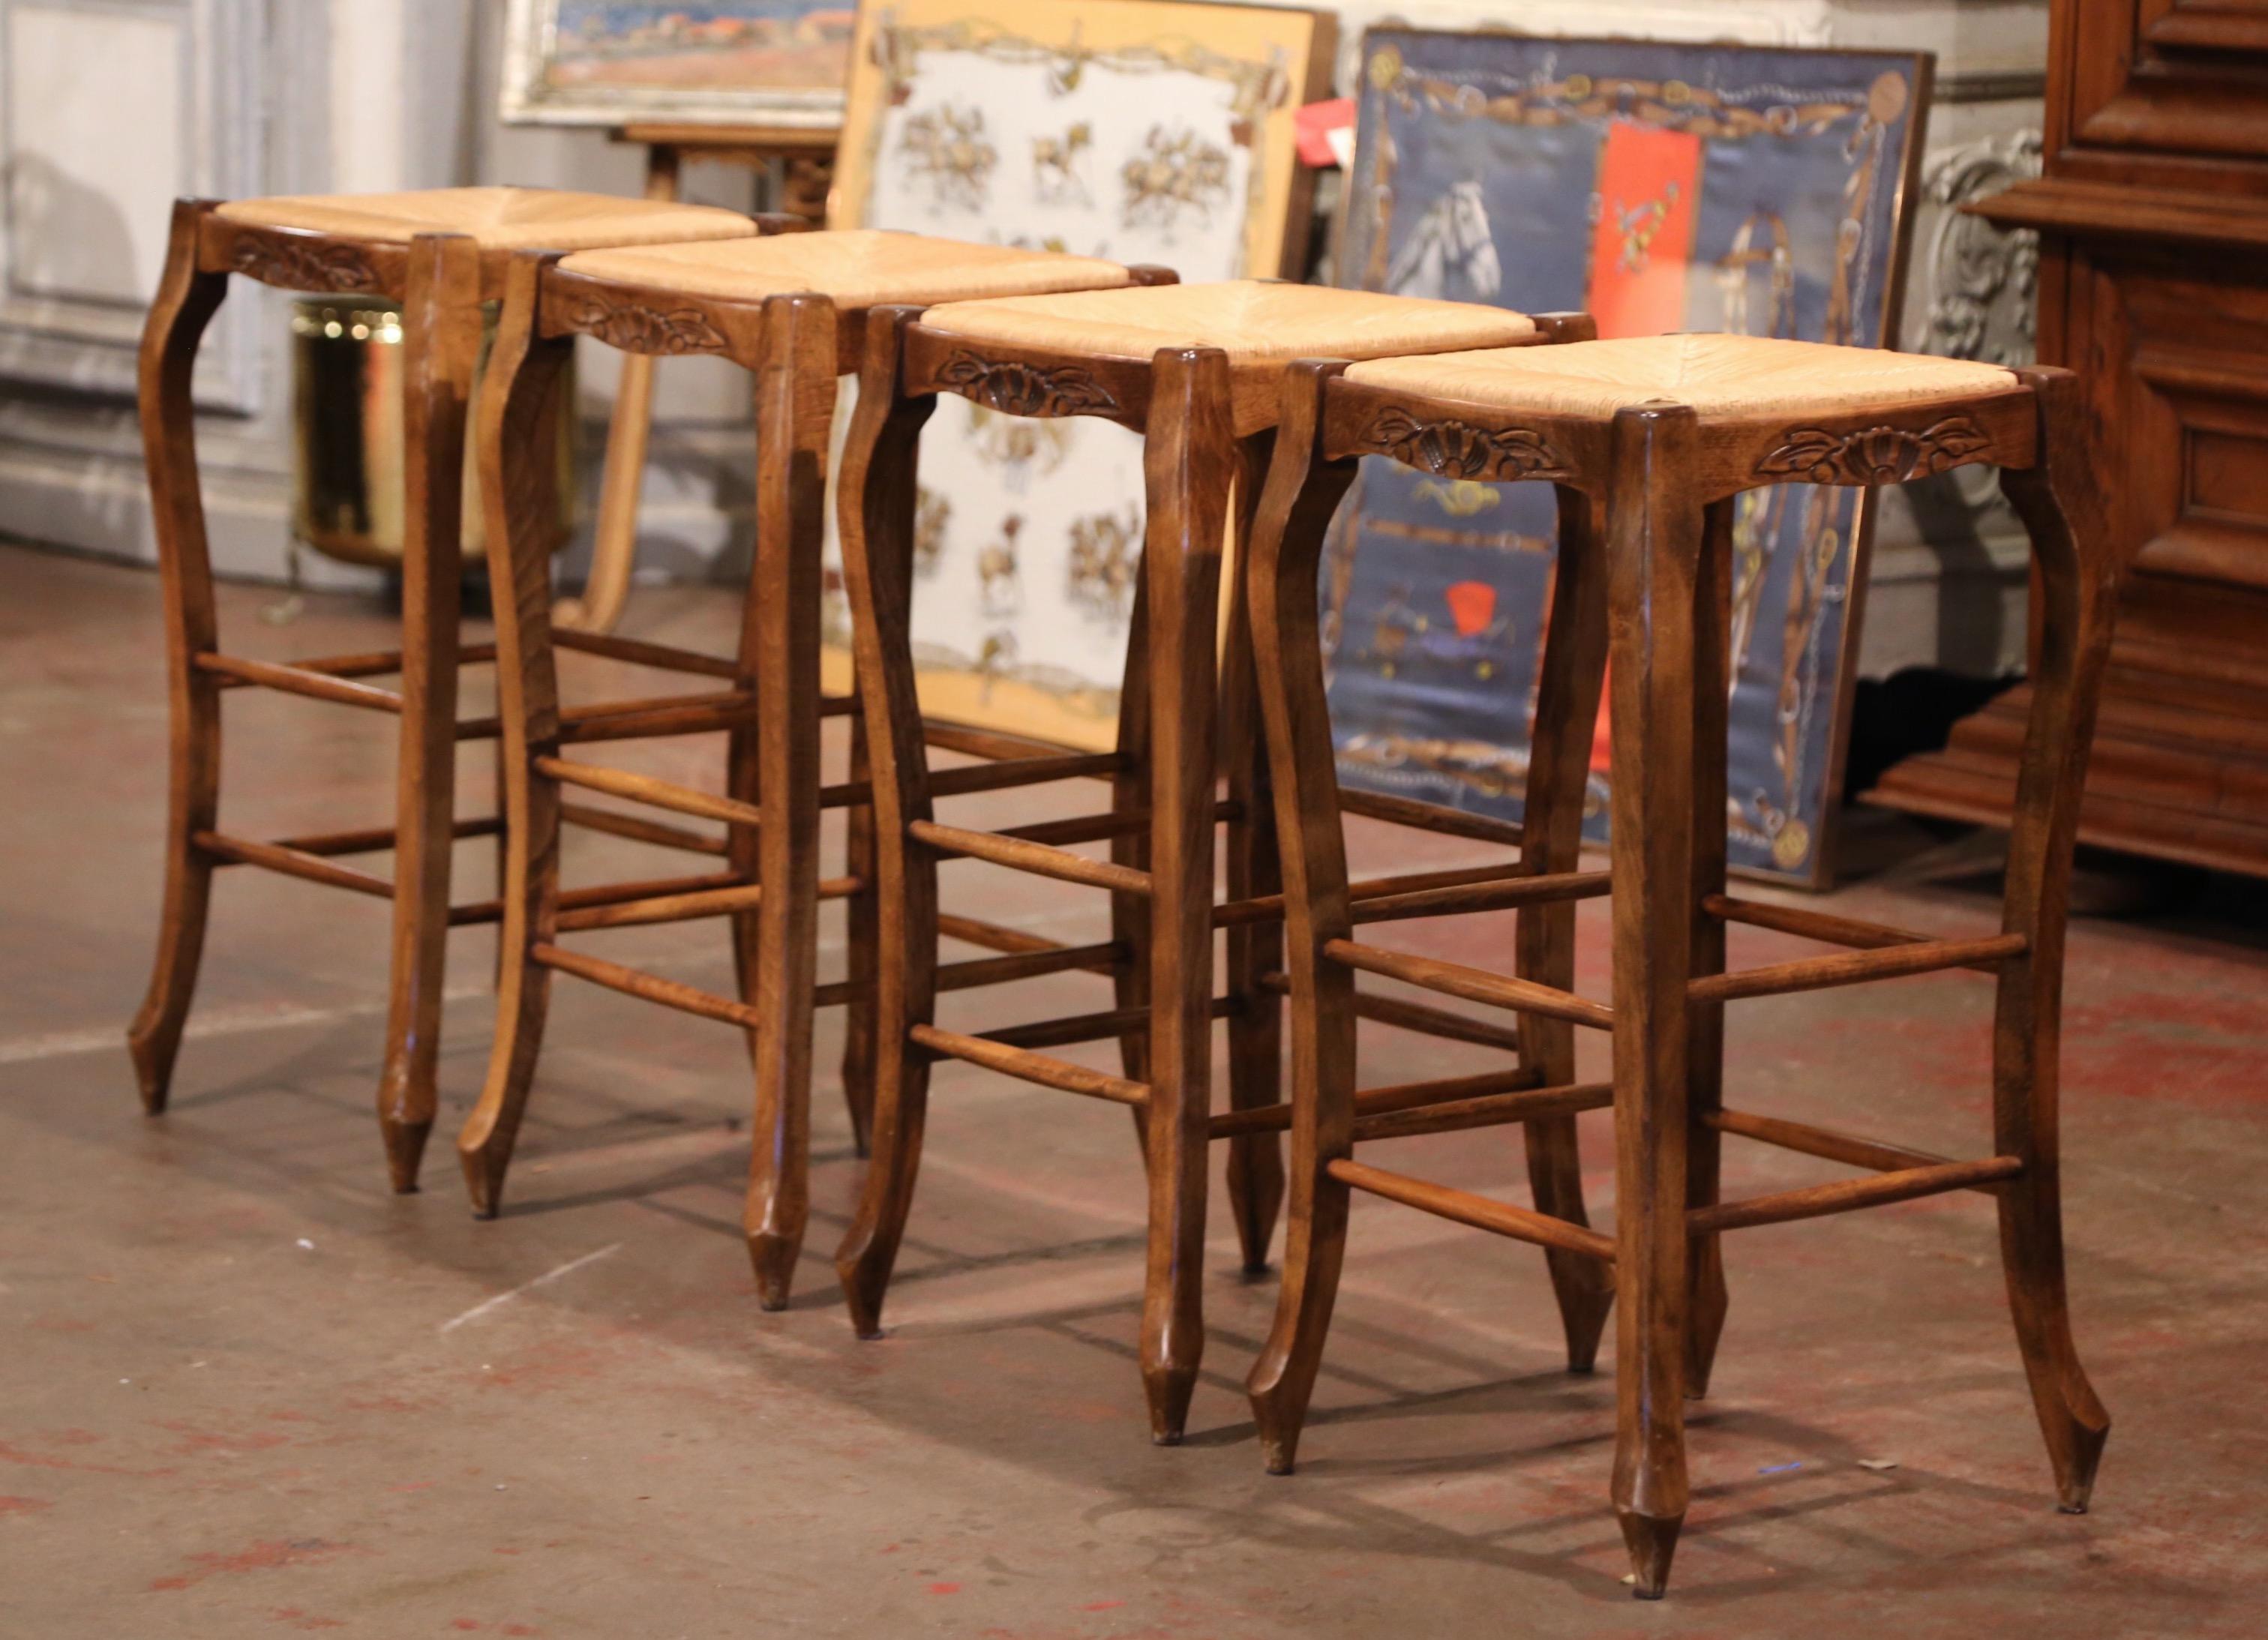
{"x":1138,"y":131}
{"x":757,"y":62}
{"x":1662,"y":187}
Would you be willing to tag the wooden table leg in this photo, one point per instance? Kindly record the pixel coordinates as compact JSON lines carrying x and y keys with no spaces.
{"x":613,"y":555}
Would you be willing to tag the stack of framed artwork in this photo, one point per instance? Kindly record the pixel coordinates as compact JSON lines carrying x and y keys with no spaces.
{"x":1139,"y":130}
{"x":1662,"y":187}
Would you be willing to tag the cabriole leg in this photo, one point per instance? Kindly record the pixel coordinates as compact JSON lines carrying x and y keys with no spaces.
{"x":1705,"y":1060}
{"x":1559,"y":771}
{"x":1256,"y":1030}
{"x":2063,"y":510}
{"x":794,"y":404}
{"x":186,"y":300}
{"x":1286,"y":551}
{"x":441,"y":334}
{"x":1654,"y":551}
{"x":523,"y":372}
{"x":876,"y":491}
{"x":1190,"y":459}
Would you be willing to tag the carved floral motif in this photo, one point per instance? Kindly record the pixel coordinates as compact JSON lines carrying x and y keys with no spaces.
{"x":294,"y":264}
{"x":1457,"y":449}
{"x":1018,"y":389}
{"x":636,"y":327}
{"x":1873,"y":455}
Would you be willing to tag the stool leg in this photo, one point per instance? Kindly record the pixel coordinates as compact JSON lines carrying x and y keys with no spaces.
{"x":515,"y":472}
{"x":1653,"y":544}
{"x":1558,"y":770}
{"x":1705,"y":1060}
{"x":1255,"y":1051}
{"x":186,"y":300}
{"x":2077,"y":572}
{"x":1189,"y":461}
{"x":795,"y":401}
{"x":861,"y":930}
{"x":1280,"y":578}
{"x":1129,"y":794}
{"x":876,"y":487}
{"x":441,"y":334}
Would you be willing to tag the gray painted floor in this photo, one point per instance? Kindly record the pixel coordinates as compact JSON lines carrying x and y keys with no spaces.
{"x":246,"y":1391}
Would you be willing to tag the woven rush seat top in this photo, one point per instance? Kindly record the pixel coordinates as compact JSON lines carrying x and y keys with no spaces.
{"x":857,"y":268}
{"x":497,"y":218}
{"x":1717,"y":375}
{"x":1255,"y":322}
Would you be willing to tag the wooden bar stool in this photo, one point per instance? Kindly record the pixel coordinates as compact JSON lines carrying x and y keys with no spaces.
{"x":1194,"y":370}
{"x":1662,"y":435}
{"x":441,"y":253}
{"x":786,"y":309}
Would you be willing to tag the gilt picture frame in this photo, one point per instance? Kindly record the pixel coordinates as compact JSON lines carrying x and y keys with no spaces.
{"x":774,"y":64}
{"x":1662,"y":186}
{"x":1155,"y":131}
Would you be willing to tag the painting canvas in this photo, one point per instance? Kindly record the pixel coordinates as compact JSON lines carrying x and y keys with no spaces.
{"x":1662,"y":187}
{"x":762,"y":62}
{"x":1139,"y":130}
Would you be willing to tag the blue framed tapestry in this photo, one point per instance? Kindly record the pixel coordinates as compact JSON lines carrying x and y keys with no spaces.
{"x":1661,"y":188}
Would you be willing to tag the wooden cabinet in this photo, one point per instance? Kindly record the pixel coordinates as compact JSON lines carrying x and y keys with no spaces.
{"x":2152,"y":212}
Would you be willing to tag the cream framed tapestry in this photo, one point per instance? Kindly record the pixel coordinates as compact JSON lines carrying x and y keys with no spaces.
{"x":1140,"y":130}
{"x":1661,"y":188}
{"x":742,"y":63}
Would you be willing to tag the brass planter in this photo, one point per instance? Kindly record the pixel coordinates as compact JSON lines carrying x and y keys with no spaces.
{"x":349,"y":497}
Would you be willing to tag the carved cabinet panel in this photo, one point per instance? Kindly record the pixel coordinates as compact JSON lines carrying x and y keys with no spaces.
{"x":2153,"y":213}
{"x":2167,"y":78}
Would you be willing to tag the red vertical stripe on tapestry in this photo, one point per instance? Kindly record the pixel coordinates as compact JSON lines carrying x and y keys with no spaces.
{"x":1649,"y":184}
{"x":1641,"y":247}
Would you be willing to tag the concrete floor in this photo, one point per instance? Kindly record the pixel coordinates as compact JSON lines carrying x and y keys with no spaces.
{"x":244,"y":1390}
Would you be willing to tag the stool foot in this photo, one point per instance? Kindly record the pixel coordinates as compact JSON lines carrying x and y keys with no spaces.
{"x":1586,"y":1300}
{"x":484,"y":1169}
{"x":864,"y":1286}
{"x":1255,"y":1196}
{"x":1652,"y":1541}
{"x":154,"y":1038}
{"x":2072,"y":1421}
{"x":1705,"y":1308}
{"x":1280,"y":1421}
{"x":405,"y":1149}
{"x":1170,"y":1389}
{"x":773,"y":1257}
{"x":869,"y":1251}
{"x":2075,"y":1490}
{"x":153,"y":1066}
